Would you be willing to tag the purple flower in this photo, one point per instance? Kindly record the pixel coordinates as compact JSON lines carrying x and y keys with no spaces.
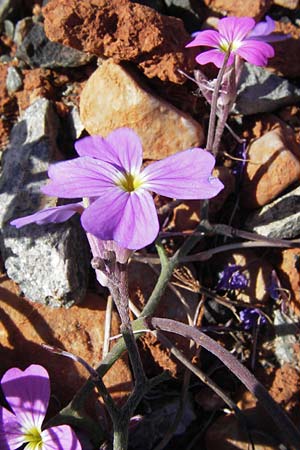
{"x":28,"y":394}
{"x":236,"y":36}
{"x":250,"y":318}
{"x":108,"y":174}
{"x":232,"y":278}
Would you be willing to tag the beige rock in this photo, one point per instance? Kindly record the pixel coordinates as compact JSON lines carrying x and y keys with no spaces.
{"x":273,"y":166}
{"x":113,"y":98}
{"x":291,"y":4}
{"x":24,"y":326}
{"x":240,"y":8}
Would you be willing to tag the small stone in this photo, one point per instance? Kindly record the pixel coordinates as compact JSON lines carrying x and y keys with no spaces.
{"x":7,"y":7}
{"x":290,"y":4}
{"x":113,"y":98}
{"x":125,"y":31}
{"x":285,"y":339}
{"x":261,"y":91}
{"x":49,"y":262}
{"x":279,"y":219}
{"x":37,"y":51}
{"x":273,"y":165}
{"x":14,"y":80}
{"x":289,"y":273}
{"x":240,"y":8}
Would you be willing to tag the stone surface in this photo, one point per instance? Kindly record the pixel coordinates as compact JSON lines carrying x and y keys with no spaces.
{"x":8,"y":109}
{"x":49,"y":262}
{"x":279,"y":219}
{"x":240,"y":8}
{"x":37,"y":50}
{"x":14,"y":80}
{"x":261,"y":91}
{"x":24,"y":326}
{"x":7,"y":7}
{"x":291,"y":4}
{"x":289,"y":273}
{"x":284,"y":61}
{"x":273,"y":165}
{"x":285,"y":342}
{"x":123,"y":30}
{"x":113,"y":98}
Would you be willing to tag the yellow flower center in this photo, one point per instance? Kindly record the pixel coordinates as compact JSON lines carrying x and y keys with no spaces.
{"x":129,"y":182}
{"x":33,"y":439}
{"x":228,"y":47}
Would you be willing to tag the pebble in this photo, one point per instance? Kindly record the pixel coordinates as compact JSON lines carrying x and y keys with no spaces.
{"x":261,"y":91}
{"x":273,"y":165}
{"x":49,"y":262}
{"x":113,"y":98}
{"x":37,"y":50}
{"x":14,"y":80}
{"x":279,"y":219}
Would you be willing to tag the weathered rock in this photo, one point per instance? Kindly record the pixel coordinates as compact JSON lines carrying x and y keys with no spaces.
{"x":113,"y":98}
{"x":285,"y":339}
{"x":273,"y":165}
{"x":123,"y":30}
{"x":49,"y":262}
{"x":240,"y":8}
{"x":284,"y":62}
{"x":24,"y":326}
{"x":279,"y":219}
{"x":14,"y":80}
{"x":261,"y":91}
{"x":37,"y":51}
{"x":290,"y":4}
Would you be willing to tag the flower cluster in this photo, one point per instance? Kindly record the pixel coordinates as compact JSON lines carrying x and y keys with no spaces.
{"x":117,"y":203}
{"x":28,"y":394}
{"x":236,"y":36}
{"x":251,"y":317}
{"x":232,"y":277}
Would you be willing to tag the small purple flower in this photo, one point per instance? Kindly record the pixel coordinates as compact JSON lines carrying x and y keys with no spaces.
{"x":118,"y":205}
{"x":232,"y":277}
{"x":236,"y":36}
{"x":250,"y":317}
{"x":28,"y":394}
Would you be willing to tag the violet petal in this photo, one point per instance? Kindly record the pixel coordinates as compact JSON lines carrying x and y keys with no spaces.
{"x":60,"y":438}
{"x":56,"y":214}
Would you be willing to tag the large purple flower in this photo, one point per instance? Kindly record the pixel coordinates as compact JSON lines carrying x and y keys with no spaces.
{"x":108,"y":174}
{"x":28,"y":394}
{"x":236,"y":36}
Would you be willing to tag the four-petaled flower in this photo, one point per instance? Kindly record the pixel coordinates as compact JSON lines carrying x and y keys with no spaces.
{"x":28,"y":394}
{"x":108,"y":174}
{"x":236,"y":36}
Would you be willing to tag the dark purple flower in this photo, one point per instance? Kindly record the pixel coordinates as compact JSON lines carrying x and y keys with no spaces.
{"x":232,"y":277}
{"x":28,"y":394}
{"x":236,"y":36}
{"x":118,"y":205}
{"x":250,"y":317}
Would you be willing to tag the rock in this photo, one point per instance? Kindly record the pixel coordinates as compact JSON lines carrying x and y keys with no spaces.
{"x":273,"y":165}
{"x":37,"y":84}
{"x":49,"y":262}
{"x":240,"y":8}
{"x":125,"y":31}
{"x":285,"y":342}
{"x":8,"y":109}
{"x":289,"y":274}
{"x":290,"y":4}
{"x":25,"y":326}
{"x":113,"y":98}
{"x":279,"y":219}
{"x":7,"y":7}
{"x":286,"y":50}
{"x":261,"y":91}
{"x":188,"y":11}
{"x":37,"y":51}
{"x":14,"y":80}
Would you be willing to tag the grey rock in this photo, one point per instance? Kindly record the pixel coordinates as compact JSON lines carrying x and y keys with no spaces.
{"x":37,"y":50}
{"x":261,"y":91}
{"x":9,"y":28}
{"x":14,"y":80}
{"x":285,"y":331}
{"x":22,"y":28}
{"x":75,"y":125}
{"x":279,"y":219}
{"x":48,"y":261}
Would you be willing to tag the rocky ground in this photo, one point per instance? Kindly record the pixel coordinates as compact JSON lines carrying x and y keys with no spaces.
{"x":69,"y":68}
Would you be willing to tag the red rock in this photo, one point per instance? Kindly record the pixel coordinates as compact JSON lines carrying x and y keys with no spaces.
{"x":8,"y":109}
{"x":284,"y":62}
{"x":273,"y":166}
{"x":113,"y":98}
{"x":25,"y":326}
{"x":123,"y":30}
{"x":289,"y":274}
{"x":240,"y":8}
